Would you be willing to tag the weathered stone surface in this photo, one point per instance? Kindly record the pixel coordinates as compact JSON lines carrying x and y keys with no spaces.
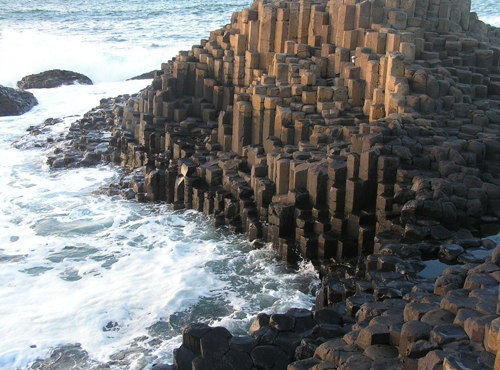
{"x":420,"y":348}
{"x":450,"y":252}
{"x":415,"y":311}
{"x":265,"y":357}
{"x":437,"y":317}
{"x":215,"y":342}
{"x":359,"y":362}
{"x":237,"y":360}
{"x":371,"y":335}
{"x":281,"y":322}
{"x":328,"y":316}
{"x":381,"y":351}
{"x":183,"y":358}
{"x":475,"y":327}
{"x":413,"y":331}
{"x":192,"y":334}
{"x":463,"y":361}
{"x":242,"y":344}
{"x":304,"y":364}
{"x":335,"y":352}
{"x":457,"y":299}
{"x":447,"y":283}
{"x":144,"y":76}
{"x":463,"y":314}
{"x":260,"y":322}
{"x":53,"y":78}
{"x":447,"y":333}
{"x":15,"y":102}
{"x":495,"y":257}
{"x":387,"y":364}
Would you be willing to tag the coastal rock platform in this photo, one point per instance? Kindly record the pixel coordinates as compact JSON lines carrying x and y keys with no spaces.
{"x":451,"y":324}
{"x":361,"y":135}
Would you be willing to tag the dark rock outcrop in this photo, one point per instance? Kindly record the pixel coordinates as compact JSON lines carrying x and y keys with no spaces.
{"x":367,"y":142}
{"x":53,"y":78}
{"x":15,"y":102}
{"x":424,"y":329}
{"x":144,"y":76}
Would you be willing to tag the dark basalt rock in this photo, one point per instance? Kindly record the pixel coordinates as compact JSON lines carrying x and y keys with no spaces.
{"x":301,"y":157}
{"x":68,"y":357}
{"x":144,"y":76}
{"x":163,"y":367}
{"x":53,"y":78}
{"x":15,"y":102}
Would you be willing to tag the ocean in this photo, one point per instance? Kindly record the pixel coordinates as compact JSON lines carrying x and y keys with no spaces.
{"x":105,"y":281}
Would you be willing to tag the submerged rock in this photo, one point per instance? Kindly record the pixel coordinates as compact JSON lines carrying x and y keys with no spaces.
{"x":15,"y":102}
{"x":53,"y":78}
{"x":67,"y":357}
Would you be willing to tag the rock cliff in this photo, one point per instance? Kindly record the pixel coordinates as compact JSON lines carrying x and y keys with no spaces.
{"x":334,"y":129}
{"x":320,"y":126}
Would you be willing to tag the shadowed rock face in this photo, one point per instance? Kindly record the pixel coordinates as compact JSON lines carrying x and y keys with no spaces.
{"x":15,"y":102}
{"x":53,"y":78}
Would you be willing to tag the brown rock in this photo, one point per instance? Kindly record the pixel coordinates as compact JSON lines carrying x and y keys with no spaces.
{"x":415,"y":311}
{"x":445,"y":284}
{"x":381,"y":351}
{"x":437,"y":317}
{"x":475,"y":327}
{"x":411,"y":332}
{"x":458,"y":299}
{"x":447,"y":333}
{"x":371,"y":335}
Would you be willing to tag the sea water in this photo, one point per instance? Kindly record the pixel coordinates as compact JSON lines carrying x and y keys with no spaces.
{"x":96,"y":278}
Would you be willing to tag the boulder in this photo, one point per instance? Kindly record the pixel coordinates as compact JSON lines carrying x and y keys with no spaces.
{"x":447,"y":333}
{"x":15,"y":102}
{"x":53,"y":78}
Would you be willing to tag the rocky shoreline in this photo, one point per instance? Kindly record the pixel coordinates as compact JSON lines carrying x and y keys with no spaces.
{"x":15,"y":102}
{"x":337,"y":131}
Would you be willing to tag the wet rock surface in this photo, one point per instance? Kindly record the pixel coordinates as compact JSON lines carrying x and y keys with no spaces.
{"x":15,"y":102}
{"x":413,"y":332}
{"x":363,"y":136}
{"x":53,"y":78}
{"x":69,"y":357}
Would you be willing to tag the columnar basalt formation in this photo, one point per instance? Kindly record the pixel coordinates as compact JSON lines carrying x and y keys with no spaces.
{"x":333,"y":130}
{"x":317,"y":126}
{"x":450,"y":323}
